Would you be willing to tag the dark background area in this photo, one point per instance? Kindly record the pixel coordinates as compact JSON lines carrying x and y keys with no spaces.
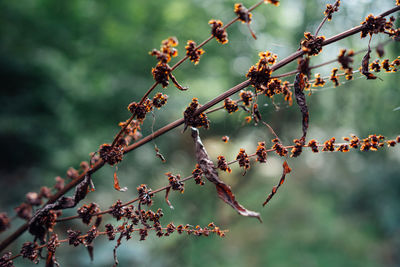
{"x":68,"y":70}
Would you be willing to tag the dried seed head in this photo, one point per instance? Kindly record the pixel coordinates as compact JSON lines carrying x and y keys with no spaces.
{"x":86,"y":212}
{"x":260,"y":73}
{"x":223,"y":165}
{"x":192,"y":52}
{"x":230,"y":105}
{"x":372,"y":25}
{"x":243,"y":160}
{"x":261,"y":152}
{"x":329,"y":145}
{"x":330,"y":9}
{"x":111,"y":155}
{"x":218,"y":32}
{"x":246,"y":97}
{"x":197,"y":173}
{"x":298,"y":148}
{"x":5,"y":260}
{"x":197,"y":121}
{"x":29,"y":250}
{"x":334,"y":78}
{"x":318,"y":81}
{"x":175,"y":183}
{"x":312,"y":45}
{"x":313,"y":145}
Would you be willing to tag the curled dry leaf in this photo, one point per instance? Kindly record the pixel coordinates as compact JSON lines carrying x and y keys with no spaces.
{"x":224,"y":191}
{"x":301,"y":101}
{"x":116,"y":184}
{"x":365,"y":66}
{"x":286,"y":170}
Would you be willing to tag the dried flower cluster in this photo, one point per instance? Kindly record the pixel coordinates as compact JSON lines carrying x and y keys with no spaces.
{"x":312,"y":45}
{"x":218,"y":31}
{"x":193,"y":120}
{"x":330,"y":9}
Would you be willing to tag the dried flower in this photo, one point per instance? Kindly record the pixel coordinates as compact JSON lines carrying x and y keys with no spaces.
{"x":218,"y":31}
{"x":298,"y":148}
{"x":318,"y":81}
{"x":372,"y":25}
{"x":91,"y":235}
{"x":343,"y":148}
{"x":5,"y":260}
{"x":53,"y":243}
{"x":74,"y":237}
{"x":246,"y":97}
{"x":312,"y":45}
{"x":313,"y":145}
{"x":175,"y":183}
{"x":166,"y":51}
{"x":223,"y":165}
{"x":273,"y":87}
{"x":375,"y":66}
{"x":244,"y":160}
{"x":334,"y":78}
{"x":197,"y":173}
{"x":145,"y":195}
{"x":86,"y":212}
{"x":230,"y":105}
{"x":110,"y":231}
{"x":260,"y":73}
{"x":279,"y":148}
{"x":261,"y":152}
{"x":159,"y":100}
{"x":192,"y":52}
{"x":111,"y":155}
{"x":329,"y":144}
{"x":117,"y":210}
{"x":330,"y":9}
{"x":29,"y":250}
{"x":197,"y":121}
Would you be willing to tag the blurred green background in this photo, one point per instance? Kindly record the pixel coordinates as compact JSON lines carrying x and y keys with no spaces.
{"x":69,"y":69}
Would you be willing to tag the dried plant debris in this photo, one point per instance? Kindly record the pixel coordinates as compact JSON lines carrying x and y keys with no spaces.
{"x":208,"y":168}
{"x":286,"y":170}
{"x":301,"y":101}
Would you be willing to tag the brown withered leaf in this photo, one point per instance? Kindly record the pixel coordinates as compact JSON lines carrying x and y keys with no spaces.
{"x":37,"y":228}
{"x":209,"y":171}
{"x":116,"y":184}
{"x":286,"y":170}
{"x":301,"y":101}
{"x":365,"y":66}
